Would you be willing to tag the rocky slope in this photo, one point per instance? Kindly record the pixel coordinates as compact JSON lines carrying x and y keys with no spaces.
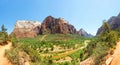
{"x":114,"y":23}
{"x":82,"y":32}
{"x":26,"y":28}
{"x":53,"y":25}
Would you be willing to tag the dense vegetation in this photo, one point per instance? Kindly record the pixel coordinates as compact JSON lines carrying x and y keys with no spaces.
{"x":47,"y":49}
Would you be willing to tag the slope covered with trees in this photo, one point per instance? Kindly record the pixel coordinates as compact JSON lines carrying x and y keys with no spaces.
{"x":101,"y":45}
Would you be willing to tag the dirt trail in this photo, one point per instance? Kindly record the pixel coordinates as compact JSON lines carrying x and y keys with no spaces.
{"x":88,"y":61}
{"x":43,"y":37}
{"x":3,"y":59}
{"x":116,"y":56}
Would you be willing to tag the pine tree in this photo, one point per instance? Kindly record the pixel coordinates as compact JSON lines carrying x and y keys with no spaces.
{"x":3,"y":29}
{"x":105,"y":27}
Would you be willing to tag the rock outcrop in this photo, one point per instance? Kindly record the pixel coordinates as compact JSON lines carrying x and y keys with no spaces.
{"x":114,"y":23}
{"x":53,"y":25}
{"x":25,"y":28}
{"x":82,"y":32}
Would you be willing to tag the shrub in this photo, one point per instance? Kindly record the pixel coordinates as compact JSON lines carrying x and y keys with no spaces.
{"x":14,"y":40}
{"x":34,"y":55}
{"x":13,"y":56}
{"x":3,"y":29}
{"x":3,"y":37}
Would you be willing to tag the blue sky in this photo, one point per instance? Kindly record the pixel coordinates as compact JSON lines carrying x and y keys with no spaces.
{"x":86,"y":14}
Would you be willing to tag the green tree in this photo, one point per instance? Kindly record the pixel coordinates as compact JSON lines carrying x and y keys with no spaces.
{"x":112,"y":37}
{"x":105,"y":27}
{"x":3,"y":29}
{"x":14,"y":39}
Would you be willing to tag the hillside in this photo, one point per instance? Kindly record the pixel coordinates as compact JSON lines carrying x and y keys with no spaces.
{"x":111,"y":59}
{"x":113,"y":22}
{"x":103,"y":45}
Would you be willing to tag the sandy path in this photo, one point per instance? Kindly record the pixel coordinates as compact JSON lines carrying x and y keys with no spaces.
{"x":3,"y":59}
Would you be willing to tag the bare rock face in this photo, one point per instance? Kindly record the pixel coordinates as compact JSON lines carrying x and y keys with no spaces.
{"x":25,"y":28}
{"x":53,"y":25}
{"x":114,"y":23}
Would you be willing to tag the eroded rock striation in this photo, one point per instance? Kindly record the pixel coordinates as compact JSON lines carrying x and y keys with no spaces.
{"x":26,"y":28}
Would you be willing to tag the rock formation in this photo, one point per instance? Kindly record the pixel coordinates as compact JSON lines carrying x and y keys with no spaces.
{"x":25,"y":28}
{"x":82,"y":32}
{"x":53,"y":25}
{"x":114,"y":23}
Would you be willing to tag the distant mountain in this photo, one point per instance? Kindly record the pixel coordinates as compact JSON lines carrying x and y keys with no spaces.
{"x":53,"y":25}
{"x":82,"y":32}
{"x":26,"y":28}
{"x":114,"y":23}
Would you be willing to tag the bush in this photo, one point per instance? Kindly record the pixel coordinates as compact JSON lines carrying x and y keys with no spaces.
{"x":14,"y":40}
{"x":34,"y":55}
{"x":3,"y":37}
{"x":13,"y":56}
